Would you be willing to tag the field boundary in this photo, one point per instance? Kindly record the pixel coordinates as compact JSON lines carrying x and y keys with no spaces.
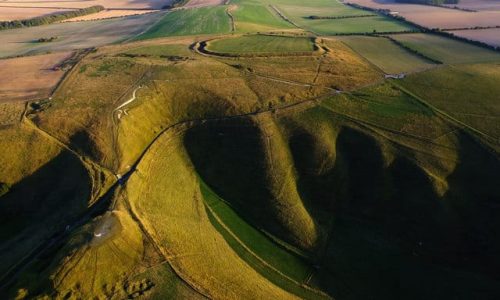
{"x":412,"y":51}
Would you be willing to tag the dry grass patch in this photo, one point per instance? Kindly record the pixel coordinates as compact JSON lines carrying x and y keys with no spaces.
{"x":31,"y":77}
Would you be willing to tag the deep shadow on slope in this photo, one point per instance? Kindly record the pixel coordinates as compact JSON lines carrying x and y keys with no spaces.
{"x":393,"y":237}
{"x":229,"y":156}
{"x":474,"y":195}
{"x":60,"y":186}
{"x":41,"y":205}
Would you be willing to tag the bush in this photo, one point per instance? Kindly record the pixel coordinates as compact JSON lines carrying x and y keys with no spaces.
{"x":47,"y":40}
{"x":4,"y":189}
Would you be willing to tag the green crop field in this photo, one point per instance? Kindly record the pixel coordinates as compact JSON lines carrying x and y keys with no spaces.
{"x":447,"y":50}
{"x":256,"y":16}
{"x":300,"y":12}
{"x":324,"y":8}
{"x":206,"y":20}
{"x":262,"y":44}
{"x":386,"y":55}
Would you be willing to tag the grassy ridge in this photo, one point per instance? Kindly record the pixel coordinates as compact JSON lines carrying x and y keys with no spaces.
{"x":182,"y":228}
{"x":279,"y":258}
{"x":242,"y":237}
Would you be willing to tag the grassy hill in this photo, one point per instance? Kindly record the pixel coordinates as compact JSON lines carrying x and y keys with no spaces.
{"x":230,"y":152}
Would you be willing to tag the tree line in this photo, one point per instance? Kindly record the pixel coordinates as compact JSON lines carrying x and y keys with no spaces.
{"x":420,"y":28}
{"x":44,"y":20}
{"x":339,"y":17}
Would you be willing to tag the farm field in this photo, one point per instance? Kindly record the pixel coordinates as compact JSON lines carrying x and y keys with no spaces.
{"x":20,"y":13}
{"x":479,"y":5}
{"x":489,"y":36}
{"x":201,"y":3}
{"x":196,"y":21}
{"x":251,"y":149}
{"x":261,"y":44}
{"x":256,"y":16}
{"x":74,"y":35}
{"x":25,"y":9}
{"x":474,"y":104}
{"x":296,"y":10}
{"x":437,"y":17}
{"x":299,"y":14}
{"x":378,"y":24}
{"x":386,"y":55}
{"x":108,"y":14}
{"x":32,"y":77}
{"x":447,"y":50}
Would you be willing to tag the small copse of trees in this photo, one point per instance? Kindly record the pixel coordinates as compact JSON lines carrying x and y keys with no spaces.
{"x":47,"y":40}
{"x":4,"y":189}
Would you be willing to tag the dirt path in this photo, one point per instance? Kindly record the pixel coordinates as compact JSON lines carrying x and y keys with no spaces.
{"x":229,"y":11}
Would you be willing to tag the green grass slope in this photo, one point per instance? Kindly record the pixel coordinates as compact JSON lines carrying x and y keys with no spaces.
{"x":205,"y":20}
{"x":473,"y":90}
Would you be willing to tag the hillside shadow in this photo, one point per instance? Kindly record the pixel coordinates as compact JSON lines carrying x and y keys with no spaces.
{"x":63,"y":182}
{"x":318,"y":188}
{"x":474,"y":196}
{"x":41,"y":205}
{"x":85,"y":144}
{"x":229,"y":156}
{"x":363,"y":166}
{"x":404,"y":241}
